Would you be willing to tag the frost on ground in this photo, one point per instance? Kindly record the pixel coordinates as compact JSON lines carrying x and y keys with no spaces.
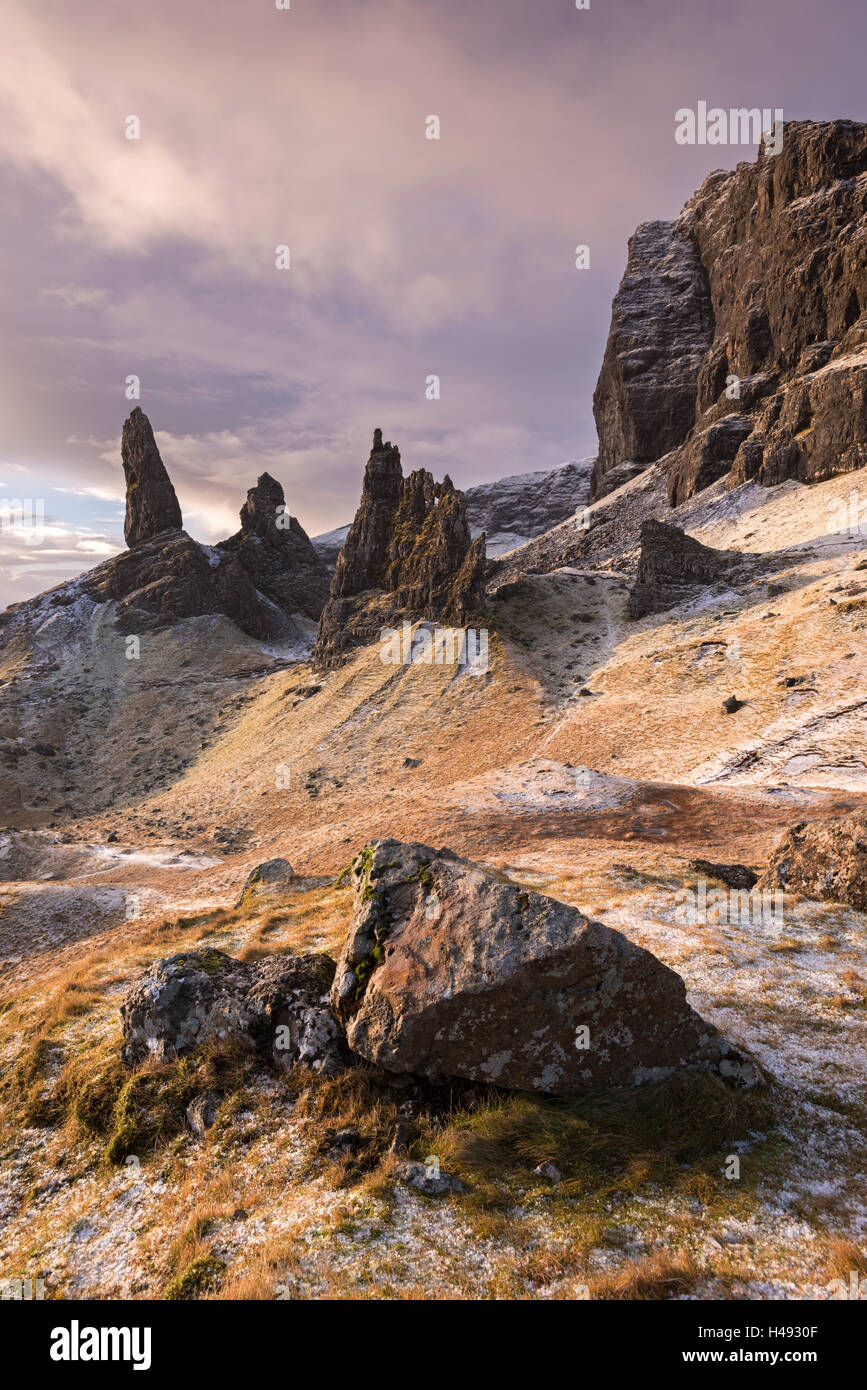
{"x":594,"y":761}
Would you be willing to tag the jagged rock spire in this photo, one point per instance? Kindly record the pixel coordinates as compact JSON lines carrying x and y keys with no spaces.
{"x":151,"y":504}
{"x":276,"y":552}
{"x":410,"y":540}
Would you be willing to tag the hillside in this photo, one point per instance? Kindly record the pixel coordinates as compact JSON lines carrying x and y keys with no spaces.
{"x":615,"y":763}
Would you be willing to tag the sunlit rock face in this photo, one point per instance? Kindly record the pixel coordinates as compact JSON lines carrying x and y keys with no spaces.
{"x":409,"y":553}
{"x":738,"y":342}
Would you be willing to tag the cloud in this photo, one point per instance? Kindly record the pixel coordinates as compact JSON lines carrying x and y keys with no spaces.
{"x":155,"y":257}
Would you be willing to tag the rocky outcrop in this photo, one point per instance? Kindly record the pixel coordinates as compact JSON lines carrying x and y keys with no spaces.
{"x":408,"y":553}
{"x":277,"y":1007}
{"x":267,"y":578}
{"x":151,"y":504}
{"x":661,"y":329}
{"x":448,"y":971}
{"x":738,"y":342}
{"x":276,"y":552}
{"x":171,"y":577}
{"x":672,"y":567}
{"x":822,"y":860}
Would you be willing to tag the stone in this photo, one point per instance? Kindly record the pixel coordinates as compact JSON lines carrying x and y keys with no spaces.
{"x":734,"y":875}
{"x":278,"y":1007}
{"x":738,"y":339}
{"x":732,"y":704}
{"x":344,"y":1142}
{"x":429,"y":1179}
{"x":270,"y":879}
{"x":448,"y":972}
{"x":202,"y":1112}
{"x":672,"y":568}
{"x":276,"y":552}
{"x":408,"y":554}
{"x":822,"y":859}
{"x":403,"y":1138}
{"x":549,"y":1171}
{"x":151,"y":504}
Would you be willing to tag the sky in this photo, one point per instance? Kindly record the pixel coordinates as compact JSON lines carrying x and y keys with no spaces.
{"x":409,"y":257}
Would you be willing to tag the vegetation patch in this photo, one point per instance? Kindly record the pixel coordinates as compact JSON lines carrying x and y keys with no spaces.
{"x":677,"y":1132}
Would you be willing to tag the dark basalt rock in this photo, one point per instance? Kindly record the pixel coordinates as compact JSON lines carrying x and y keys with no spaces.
{"x":823,"y":860}
{"x":408,"y":554}
{"x":708,"y":455}
{"x":169,"y":578}
{"x":661,"y":329}
{"x":276,"y":552}
{"x":447,"y":971}
{"x":671,"y":567}
{"x":278,"y":1007}
{"x":738,"y":341}
{"x":151,"y":504}
{"x":734,"y":875}
{"x":264,"y":578}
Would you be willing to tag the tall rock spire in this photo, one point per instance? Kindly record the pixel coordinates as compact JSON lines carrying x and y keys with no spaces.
{"x":411,"y":542}
{"x":151,"y":504}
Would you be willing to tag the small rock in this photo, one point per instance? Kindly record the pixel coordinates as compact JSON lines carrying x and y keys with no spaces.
{"x":344,"y":1142}
{"x":734,"y":875}
{"x":403,"y":1137}
{"x":202,"y":1112}
{"x":550,"y":1171}
{"x":429,"y":1179}
{"x":733,"y":704}
{"x":269,"y":879}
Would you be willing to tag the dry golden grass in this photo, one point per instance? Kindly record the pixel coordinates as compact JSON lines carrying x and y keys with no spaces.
{"x":843,"y":1257}
{"x":658,"y":1276}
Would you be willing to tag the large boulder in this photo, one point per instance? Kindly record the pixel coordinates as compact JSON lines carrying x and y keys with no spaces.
{"x":672,"y":568}
{"x":277,"y":1007}
{"x":448,"y":971}
{"x":826,"y":860}
{"x":269,"y":880}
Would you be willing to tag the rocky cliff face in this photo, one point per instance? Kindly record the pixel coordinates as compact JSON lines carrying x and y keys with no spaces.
{"x":738,"y":341}
{"x":661,"y":329}
{"x":408,"y":553}
{"x":513,"y":510}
